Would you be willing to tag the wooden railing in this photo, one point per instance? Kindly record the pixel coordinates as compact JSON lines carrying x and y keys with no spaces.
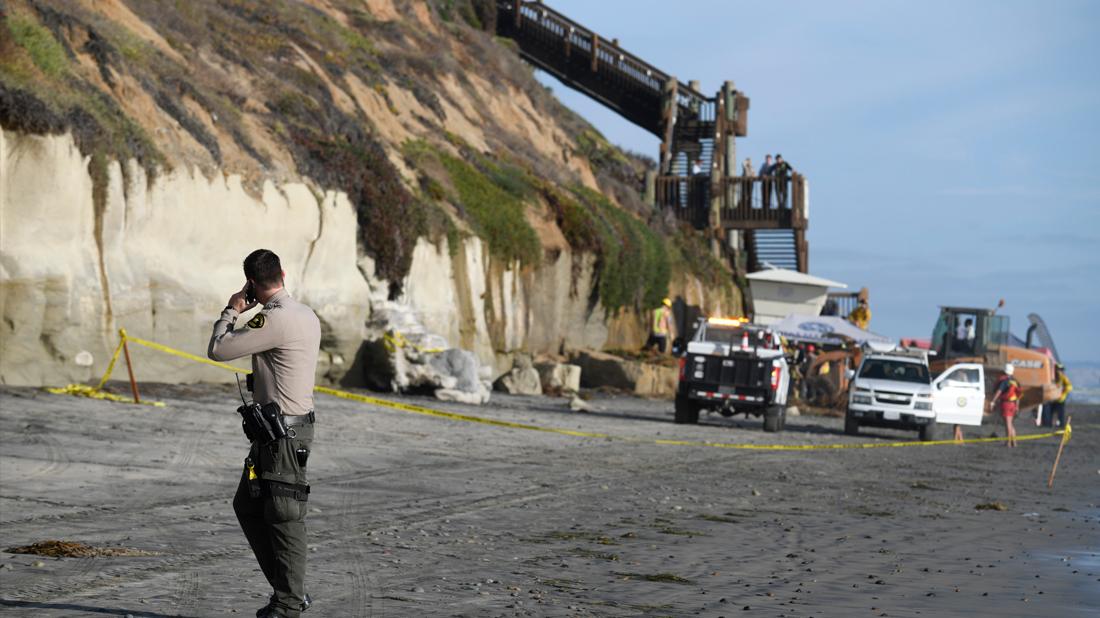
{"x":744,"y":203}
{"x":592,"y":64}
{"x":686,"y":197}
{"x":763,"y":201}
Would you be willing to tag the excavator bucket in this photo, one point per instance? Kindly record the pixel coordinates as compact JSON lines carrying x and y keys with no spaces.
{"x":1038,"y":335}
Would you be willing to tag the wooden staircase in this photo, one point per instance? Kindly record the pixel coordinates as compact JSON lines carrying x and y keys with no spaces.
{"x":692,"y":127}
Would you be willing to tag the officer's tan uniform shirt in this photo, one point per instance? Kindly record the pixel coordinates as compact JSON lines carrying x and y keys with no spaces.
{"x":284,"y":339}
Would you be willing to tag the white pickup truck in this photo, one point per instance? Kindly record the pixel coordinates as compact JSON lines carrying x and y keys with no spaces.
{"x":895,"y":389}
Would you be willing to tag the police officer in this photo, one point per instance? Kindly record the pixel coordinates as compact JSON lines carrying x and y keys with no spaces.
{"x":284,"y":339}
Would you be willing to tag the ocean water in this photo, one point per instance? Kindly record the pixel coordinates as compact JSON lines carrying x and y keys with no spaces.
{"x":1085,"y":395}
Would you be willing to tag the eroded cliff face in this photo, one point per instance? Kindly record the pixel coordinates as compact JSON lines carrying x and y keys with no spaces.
{"x":166,"y":253}
{"x":161,"y":262}
{"x":386,"y":150}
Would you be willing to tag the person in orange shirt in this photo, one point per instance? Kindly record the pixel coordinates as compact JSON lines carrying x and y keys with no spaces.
{"x":1008,"y":393}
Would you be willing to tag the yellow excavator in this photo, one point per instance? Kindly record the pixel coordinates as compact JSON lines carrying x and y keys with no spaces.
{"x":972,"y":335}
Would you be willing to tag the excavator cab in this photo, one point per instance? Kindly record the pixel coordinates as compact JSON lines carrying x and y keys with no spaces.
{"x":965,"y":332}
{"x":969,"y":335}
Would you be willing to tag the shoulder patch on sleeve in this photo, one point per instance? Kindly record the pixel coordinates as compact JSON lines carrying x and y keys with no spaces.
{"x":257,"y":321}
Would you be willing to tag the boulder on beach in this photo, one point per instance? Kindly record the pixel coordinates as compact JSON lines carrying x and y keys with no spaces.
{"x":600,"y":369}
{"x":523,"y":379}
{"x":559,"y":377}
{"x":404,"y":357}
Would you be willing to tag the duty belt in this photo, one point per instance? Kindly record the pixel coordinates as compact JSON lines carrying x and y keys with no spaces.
{"x":287,"y":490}
{"x":304,"y":419}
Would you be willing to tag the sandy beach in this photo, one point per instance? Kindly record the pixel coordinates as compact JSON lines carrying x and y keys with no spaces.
{"x":412,"y":515}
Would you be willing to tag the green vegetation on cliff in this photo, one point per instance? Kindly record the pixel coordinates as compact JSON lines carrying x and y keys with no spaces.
{"x":632,"y":263}
{"x":329,"y":93}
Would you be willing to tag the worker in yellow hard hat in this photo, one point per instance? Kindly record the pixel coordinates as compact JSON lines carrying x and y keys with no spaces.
{"x":861,"y":315}
{"x":1057,"y":408}
{"x":662,"y":325}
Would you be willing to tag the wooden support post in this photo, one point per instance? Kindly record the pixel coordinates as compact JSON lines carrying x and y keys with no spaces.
{"x":802,"y":247}
{"x":1065,"y":438}
{"x":651,"y":188}
{"x":595,"y":51}
{"x":130,"y":368}
{"x":728,"y":133}
{"x":669,"y":105}
{"x":516,"y":16}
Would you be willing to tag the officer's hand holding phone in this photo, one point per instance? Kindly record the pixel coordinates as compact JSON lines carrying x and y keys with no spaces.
{"x":243,"y":300}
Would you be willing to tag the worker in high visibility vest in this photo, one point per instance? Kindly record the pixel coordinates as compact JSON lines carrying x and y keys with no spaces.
{"x":1058,"y":406}
{"x":1007,"y":393}
{"x":662,"y":325}
{"x":861,"y":315}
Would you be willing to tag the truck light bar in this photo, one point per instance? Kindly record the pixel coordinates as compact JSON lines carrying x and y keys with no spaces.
{"x":727,"y":321}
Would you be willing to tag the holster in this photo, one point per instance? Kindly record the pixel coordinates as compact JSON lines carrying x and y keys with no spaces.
{"x":262,"y":424}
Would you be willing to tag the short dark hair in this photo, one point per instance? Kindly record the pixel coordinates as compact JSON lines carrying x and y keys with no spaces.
{"x":263,"y":267}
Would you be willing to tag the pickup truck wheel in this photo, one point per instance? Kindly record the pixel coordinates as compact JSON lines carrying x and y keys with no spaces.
{"x":773,"y":419}
{"x":851,"y":425}
{"x":687,"y":411}
{"x":928,"y":432}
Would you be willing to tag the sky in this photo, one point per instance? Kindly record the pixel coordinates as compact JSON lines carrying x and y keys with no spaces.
{"x":952,"y":148}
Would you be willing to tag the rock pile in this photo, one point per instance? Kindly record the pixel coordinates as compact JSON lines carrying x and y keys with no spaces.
{"x":600,"y":369}
{"x":402,"y":356}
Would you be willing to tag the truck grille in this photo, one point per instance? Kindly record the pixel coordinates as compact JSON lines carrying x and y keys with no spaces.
{"x":893,"y":399}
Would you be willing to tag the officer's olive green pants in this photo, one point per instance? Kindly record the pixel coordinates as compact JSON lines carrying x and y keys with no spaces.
{"x":275,"y":525}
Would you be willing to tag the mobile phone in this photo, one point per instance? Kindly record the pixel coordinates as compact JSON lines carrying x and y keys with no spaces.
{"x":250,"y":293}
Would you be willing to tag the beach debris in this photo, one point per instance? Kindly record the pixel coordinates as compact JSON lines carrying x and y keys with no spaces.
{"x":72,"y":549}
{"x":991,"y":506}
{"x":669,"y":578}
{"x":577,"y":404}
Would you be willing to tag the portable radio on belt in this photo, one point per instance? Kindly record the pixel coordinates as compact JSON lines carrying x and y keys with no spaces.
{"x":261,"y":424}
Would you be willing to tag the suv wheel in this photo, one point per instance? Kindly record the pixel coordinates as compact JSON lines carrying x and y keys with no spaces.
{"x":851,"y":425}
{"x":773,"y":418}
{"x":928,"y":432}
{"x":687,"y":411}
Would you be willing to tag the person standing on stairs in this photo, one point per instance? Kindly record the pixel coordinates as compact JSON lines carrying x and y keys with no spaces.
{"x":782,"y":172}
{"x":765,"y":182}
{"x":748,"y":172}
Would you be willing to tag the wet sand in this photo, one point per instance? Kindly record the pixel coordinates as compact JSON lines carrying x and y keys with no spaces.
{"x":419,"y":516}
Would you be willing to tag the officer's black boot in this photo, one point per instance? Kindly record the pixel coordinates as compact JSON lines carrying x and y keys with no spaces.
{"x":266,"y":609}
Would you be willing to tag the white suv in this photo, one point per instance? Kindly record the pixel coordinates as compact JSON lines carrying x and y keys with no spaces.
{"x":896,"y":390}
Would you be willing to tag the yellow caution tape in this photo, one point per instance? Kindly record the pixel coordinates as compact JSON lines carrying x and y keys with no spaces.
{"x":415,"y":409}
{"x":83,"y":390}
{"x":111,"y":365}
{"x":400,"y":341}
{"x":152,"y":345}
